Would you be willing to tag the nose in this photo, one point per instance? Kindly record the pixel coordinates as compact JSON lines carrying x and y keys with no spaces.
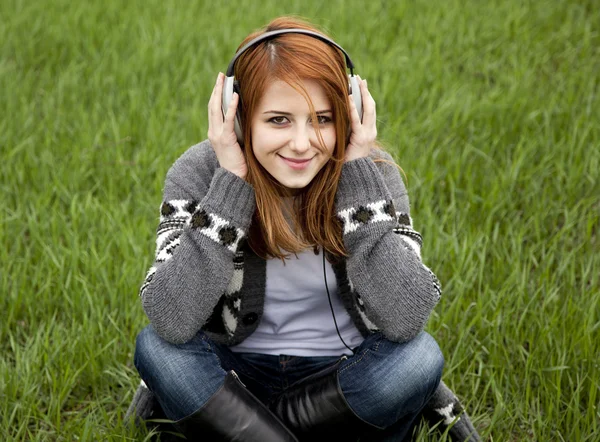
{"x":300,"y":142}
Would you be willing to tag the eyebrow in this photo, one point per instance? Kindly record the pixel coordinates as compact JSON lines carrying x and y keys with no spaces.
{"x":326,"y":111}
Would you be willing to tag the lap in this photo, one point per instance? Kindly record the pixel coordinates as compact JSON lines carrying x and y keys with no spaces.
{"x":380,"y":375}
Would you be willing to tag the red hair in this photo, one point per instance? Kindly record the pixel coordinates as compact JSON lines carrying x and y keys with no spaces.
{"x":292,"y":58}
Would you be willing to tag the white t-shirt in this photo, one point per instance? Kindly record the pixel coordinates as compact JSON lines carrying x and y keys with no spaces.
{"x":297,"y":318}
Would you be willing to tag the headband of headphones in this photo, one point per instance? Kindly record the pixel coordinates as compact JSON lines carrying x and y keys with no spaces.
{"x":230,"y":85}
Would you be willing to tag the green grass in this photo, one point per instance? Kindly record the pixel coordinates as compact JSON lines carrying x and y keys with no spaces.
{"x":491,"y":108}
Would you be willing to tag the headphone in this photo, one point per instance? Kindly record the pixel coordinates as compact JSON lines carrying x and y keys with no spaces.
{"x":231,"y":85}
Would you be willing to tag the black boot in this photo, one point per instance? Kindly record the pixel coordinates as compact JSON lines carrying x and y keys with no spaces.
{"x":233,"y":413}
{"x":315,"y":407}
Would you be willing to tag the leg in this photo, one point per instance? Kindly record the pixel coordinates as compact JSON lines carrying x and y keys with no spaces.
{"x":203,"y":397}
{"x":182,"y":377}
{"x":387,"y":384}
{"x":378,"y":392}
{"x":315,"y":408}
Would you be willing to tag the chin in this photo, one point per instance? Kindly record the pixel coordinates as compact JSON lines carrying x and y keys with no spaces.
{"x":295,"y":186}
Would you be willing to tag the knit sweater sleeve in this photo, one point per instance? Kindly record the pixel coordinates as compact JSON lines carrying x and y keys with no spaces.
{"x":397,"y":291}
{"x":205,"y":214}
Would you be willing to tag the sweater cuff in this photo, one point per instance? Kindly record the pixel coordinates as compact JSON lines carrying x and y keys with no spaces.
{"x":363,"y":196}
{"x":225,"y":213}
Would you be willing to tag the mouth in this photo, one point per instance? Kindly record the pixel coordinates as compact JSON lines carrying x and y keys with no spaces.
{"x":297,"y":164}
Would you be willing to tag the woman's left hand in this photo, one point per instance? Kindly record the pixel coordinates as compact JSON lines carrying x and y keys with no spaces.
{"x":364,"y":133}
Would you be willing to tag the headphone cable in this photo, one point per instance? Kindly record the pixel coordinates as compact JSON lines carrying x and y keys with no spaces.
{"x":331,"y":305}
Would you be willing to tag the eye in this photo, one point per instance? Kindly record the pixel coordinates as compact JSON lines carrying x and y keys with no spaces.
{"x":279,"y":121}
{"x":323,"y":119}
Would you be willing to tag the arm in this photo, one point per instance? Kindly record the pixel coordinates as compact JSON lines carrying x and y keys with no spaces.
{"x":206,"y":211}
{"x":384,"y":264}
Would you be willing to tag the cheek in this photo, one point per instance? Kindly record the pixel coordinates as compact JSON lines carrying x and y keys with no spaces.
{"x":330,"y":137}
{"x":264,"y":145}
{"x":267,"y":138}
{"x":255,"y":134}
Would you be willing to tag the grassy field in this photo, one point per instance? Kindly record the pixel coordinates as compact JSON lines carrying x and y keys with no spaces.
{"x":491,"y":108}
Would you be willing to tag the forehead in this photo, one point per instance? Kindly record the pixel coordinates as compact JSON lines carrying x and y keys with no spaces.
{"x":279,"y":95}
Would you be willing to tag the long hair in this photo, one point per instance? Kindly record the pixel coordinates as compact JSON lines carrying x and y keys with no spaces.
{"x":292,"y":58}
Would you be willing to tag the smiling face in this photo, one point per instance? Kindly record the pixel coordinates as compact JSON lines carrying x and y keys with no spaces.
{"x":284,"y":140}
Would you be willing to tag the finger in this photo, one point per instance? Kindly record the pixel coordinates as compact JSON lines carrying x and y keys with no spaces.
{"x":366,"y":96}
{"x":364,"y":89}
{"x":369,"y":111}
{"x":230,"y":115}
{"x":216,"y":83}
{"x":215,"y":114}
{"x":214,"y":91}
{"x":354,"y":117}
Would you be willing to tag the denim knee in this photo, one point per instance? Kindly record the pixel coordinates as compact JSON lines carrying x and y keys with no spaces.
{"x":414,"y":368}
{"x":392,"y":380}
{"x":182,"y":376}
{"x":148,"y":346}
{"x":432,"y":363}
{"x":154,"y":354}
{"x":422,"y":362}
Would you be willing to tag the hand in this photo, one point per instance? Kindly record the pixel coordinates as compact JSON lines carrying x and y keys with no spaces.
{"x":363,"y":134}
{"x":221,"y":133}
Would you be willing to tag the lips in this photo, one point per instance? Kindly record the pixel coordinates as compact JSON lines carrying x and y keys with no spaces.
{"x":297,"y":164}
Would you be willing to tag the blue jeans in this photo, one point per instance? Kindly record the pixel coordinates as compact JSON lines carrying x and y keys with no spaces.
{"x":385,"y":383}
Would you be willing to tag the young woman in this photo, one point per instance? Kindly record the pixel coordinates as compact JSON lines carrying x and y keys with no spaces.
{"x":288,"y":296}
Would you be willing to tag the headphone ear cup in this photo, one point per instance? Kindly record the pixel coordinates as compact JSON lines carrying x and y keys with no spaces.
{"x":356,"y":95}
{"x":229,"y":87}
{"x":238,"y":118}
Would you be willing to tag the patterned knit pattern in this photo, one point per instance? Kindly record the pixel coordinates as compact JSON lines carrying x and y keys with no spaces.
{"x":175,"y":215}
{"x":354,"y":217}
{"x":217,"y":229}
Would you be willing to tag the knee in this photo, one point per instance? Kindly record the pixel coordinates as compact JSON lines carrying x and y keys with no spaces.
{"x":431,"y":360}
{"x":419,"y":364}
{"x":397,"y":380}
{"x":181,"y":376}
{"x":147,"y":348}
{"x":154,"y":353}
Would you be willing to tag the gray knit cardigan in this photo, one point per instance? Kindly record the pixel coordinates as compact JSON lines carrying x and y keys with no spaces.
{"x":204,"y":220}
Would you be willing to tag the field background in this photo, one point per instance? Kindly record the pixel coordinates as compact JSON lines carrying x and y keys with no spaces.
{"x":490,"y":107}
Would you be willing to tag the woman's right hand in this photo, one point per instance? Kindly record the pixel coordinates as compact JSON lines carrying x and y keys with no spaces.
{"x":221,"y":133}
